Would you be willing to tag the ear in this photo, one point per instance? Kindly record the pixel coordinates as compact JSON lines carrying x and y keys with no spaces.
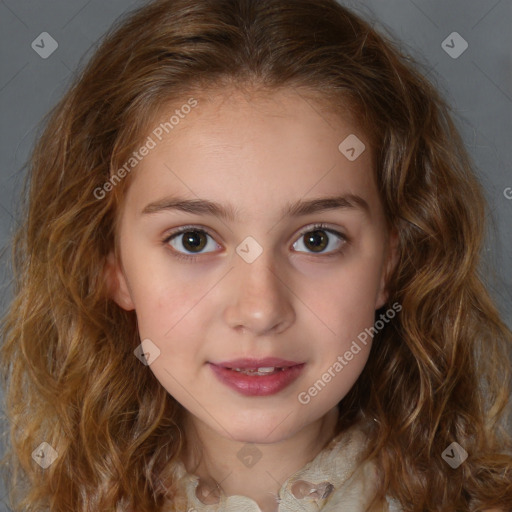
{"x":388,"y":267}
{"x":117,"y":285}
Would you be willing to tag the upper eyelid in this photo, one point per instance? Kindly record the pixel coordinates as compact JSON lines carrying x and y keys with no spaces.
{"x":183,"y":229}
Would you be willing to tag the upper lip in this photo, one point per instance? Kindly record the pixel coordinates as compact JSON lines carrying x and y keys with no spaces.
{"x":252,"y":364}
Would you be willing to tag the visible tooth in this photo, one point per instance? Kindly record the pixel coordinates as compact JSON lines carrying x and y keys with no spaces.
{"x":267,"y":369}
{"x":260,"y":371}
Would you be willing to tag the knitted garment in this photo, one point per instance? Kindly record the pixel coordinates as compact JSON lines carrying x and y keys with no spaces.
{"x":332,"y":482}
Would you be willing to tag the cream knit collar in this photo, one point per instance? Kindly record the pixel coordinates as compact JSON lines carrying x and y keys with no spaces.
{"x":333,"y":481}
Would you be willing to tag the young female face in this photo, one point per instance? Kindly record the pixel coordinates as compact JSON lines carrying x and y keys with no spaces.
{"x":260,"y":283}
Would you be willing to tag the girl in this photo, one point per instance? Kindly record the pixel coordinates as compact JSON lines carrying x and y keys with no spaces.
{"x":248,"y":279}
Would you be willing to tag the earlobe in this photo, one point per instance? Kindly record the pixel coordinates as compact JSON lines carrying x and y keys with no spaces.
{"x":116,"y":283}
{"x":389,"y":266}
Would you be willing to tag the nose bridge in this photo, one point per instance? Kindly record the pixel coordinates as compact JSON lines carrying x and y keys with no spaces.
{"x":260,"y":274}
{"x":261,"y":300}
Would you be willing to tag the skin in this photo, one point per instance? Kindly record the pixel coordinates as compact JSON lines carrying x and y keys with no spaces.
{"x":257,"y":153}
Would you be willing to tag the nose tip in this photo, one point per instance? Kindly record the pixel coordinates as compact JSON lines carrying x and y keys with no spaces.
{"x":260,"y":301}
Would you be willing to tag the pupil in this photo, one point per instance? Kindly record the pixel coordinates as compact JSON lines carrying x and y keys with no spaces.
{"x":192,"y":240}
{"x":315,"y":237}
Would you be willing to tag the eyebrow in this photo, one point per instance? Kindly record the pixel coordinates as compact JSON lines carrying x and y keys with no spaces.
{"x":228,"y":212}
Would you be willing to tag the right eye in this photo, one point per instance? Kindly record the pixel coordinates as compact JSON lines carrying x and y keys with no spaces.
{"x":189,"y":241}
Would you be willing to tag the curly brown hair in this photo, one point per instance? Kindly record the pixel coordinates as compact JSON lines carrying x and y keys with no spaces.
{"x":439,"y":373}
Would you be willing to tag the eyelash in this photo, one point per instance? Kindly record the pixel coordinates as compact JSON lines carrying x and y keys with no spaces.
{"x":193,"y":257}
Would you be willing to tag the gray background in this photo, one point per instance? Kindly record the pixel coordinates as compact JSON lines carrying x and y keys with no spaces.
{"x":478,"y":85}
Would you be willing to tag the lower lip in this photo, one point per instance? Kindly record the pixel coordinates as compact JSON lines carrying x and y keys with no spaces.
{"x":257,"y":385}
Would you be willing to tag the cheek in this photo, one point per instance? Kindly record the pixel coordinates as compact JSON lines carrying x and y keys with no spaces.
{"x":165,"y":294}
{"x":169,"y":315}
{"x":170,"y":321}
{"x":342,"y":296}
{"x":175,"y":317}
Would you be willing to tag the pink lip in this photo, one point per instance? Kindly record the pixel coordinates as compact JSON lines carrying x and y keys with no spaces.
{"x":253,"y":364}
{"x":258,"y":385}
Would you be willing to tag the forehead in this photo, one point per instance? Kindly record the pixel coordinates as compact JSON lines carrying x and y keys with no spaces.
{"x":256,"y":150}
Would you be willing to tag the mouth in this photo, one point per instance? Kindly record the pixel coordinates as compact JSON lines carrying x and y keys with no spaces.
{"x":258,"y":381}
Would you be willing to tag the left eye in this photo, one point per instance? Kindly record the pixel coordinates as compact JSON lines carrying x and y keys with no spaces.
{"x":318,"y":238}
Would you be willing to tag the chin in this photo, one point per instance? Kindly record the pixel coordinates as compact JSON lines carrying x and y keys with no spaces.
{"x":262,"y":432}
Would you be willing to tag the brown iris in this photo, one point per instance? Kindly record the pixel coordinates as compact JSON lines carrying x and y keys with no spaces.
{"x":316,"y":240}
{"x":193,"y":240}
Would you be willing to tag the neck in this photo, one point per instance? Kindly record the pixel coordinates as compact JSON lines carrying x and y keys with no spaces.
{"x":218,"y":463}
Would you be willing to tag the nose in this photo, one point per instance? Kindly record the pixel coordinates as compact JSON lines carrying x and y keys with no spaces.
{"x":261,"y":298}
